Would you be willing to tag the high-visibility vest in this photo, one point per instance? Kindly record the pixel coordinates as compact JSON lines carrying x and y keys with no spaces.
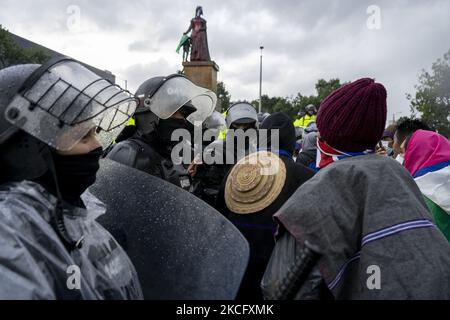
{"x":131,"y":122}
{"x":223,"y":132}
{"x":304,"y":121}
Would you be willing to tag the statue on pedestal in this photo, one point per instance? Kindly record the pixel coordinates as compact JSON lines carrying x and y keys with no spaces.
{"x":199,"y":39}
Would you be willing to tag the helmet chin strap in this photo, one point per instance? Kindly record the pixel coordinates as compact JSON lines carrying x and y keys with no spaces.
{"x":58,"y":219}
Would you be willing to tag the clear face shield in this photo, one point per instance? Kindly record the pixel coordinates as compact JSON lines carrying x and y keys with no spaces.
{"x":66,"y":101}
{"x":178,"y":91}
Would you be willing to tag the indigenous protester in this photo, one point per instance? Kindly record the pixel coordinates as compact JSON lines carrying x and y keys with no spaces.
{"x":241,"y":119}
{"x":163,"y":110}
{"x":255,"y":189}
{"x":362,"y":214}
{"x":305,"y":119}
{"x":404,"y":129}
{"x":385,"y":146}
{"x":427,"y":158}
{"x":49,"y":156}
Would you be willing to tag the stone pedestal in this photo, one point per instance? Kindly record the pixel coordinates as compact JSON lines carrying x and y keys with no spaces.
{"x":202,"y":73}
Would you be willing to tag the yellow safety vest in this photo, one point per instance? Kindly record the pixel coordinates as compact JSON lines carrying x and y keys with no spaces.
{"x":304,"y":121}
{"x":131,"y":122}
{"x":223,"y":132}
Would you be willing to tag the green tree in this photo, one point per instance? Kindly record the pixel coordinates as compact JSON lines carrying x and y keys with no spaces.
{"x":432,"y":99}
{"x":224,"y":96}
{"x":11,"y":53}
{"x":284,"y":105}
{"x":323,"y":89}
{"x":274,"y":104}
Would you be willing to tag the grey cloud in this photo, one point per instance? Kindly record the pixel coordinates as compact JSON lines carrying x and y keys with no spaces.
{"x":139,"y":72}
{"x":304,"y":40}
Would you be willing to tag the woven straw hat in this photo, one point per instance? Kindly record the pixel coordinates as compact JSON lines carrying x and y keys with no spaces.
{"x":255,"y":183}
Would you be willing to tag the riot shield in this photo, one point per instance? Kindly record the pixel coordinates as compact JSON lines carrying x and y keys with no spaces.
{"x":181,"y":247}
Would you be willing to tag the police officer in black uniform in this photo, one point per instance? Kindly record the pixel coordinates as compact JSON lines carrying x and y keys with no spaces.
{"x":166,"y":104}
{"x":49,"y":156}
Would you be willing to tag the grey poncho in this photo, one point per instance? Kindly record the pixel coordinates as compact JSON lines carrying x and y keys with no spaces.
{"x":34,"y":264}
{"x":366,"y":214}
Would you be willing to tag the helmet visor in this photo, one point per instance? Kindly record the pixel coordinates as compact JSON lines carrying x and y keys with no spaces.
{"x":66,"y":102}
{"x":177,"y":92}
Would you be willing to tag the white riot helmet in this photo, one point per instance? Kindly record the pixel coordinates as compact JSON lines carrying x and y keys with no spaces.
{"x":164,"y":96}
{"x":61,"y":101}
{"x":242,"y":112}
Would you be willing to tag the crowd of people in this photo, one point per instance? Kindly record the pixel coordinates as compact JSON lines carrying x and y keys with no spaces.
{"x":321,"y":199}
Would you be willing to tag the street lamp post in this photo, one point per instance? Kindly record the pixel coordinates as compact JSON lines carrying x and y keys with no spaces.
{"x":260,"y":79}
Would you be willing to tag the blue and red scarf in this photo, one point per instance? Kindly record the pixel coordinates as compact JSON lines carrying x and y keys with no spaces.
{"x":327,"y":154}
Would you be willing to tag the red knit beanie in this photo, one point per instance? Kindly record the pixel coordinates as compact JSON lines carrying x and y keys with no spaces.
{"x":353,"y":117}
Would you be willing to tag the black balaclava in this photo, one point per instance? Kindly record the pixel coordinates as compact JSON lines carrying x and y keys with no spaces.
{"x":282,"y":122}
{"x":168,"y":126}
{"x":165,"y":129}
{"x":75,"y":173}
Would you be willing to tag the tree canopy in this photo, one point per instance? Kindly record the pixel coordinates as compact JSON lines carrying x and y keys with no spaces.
{"x":224,"y":96}
{"x":292,"y":106}
{"x":12,"y":54}
{"x":432,"y":99}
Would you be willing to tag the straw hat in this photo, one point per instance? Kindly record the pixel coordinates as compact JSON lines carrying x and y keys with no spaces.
{"x":255,"y":183}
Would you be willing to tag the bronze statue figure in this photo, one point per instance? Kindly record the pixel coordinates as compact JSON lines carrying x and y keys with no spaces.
{"x":187,"y":45}
{"x":199,"y":39}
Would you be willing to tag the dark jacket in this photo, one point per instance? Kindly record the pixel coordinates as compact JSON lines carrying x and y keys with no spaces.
{"x":210,"y":177}
{"x":148,"y":154}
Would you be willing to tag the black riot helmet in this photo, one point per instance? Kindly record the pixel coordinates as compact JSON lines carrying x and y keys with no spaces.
{"x":161,"y":97}
{"x":52,"y":107}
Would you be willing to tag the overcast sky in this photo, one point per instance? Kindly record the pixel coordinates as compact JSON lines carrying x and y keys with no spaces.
{"x":304,"y":40}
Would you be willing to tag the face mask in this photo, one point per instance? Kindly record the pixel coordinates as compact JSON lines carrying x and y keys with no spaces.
{"x":168,"y":126}
{"x":400,"y":159}
{"x":76,"y":173}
